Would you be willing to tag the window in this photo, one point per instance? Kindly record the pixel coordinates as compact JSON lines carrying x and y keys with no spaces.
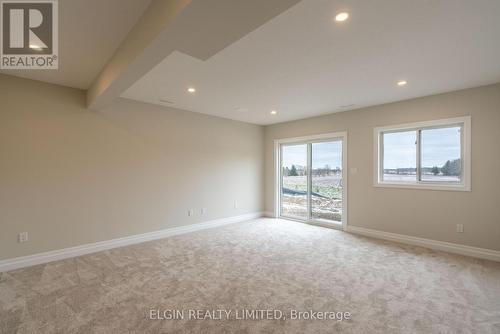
{"x":400,"y":156}
{"x":428,"y":155}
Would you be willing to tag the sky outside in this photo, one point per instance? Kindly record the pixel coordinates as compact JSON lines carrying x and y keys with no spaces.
{"x":438,"y":146}
{"x":325,"y":153}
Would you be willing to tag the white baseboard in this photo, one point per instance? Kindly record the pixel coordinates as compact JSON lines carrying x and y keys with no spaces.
{"x":59,"y":254}
{"x":481,"y":253}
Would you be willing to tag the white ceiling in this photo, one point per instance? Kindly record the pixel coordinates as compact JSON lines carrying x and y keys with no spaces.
{"x":302,"y":63}
{"x":89,"y":33}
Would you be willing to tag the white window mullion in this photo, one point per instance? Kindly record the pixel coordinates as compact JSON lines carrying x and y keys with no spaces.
{"x":281,"y":181}
{"x":419,"y":155}
{"x":381,"y":157}
{"x":462,"y":156}
{"x":309,"y":181}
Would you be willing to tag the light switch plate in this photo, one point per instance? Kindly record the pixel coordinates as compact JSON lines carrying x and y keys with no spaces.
{"x":23,"y":237}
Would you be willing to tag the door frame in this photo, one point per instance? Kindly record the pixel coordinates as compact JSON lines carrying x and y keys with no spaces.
{"x":277,"y":174}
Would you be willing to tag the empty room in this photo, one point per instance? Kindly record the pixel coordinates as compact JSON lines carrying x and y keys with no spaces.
{"x":249,"y":166}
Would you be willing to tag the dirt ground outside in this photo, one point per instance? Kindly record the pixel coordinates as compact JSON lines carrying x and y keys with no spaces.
{"x":326,"y":197}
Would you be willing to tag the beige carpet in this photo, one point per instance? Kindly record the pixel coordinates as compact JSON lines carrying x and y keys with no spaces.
{"x":263,"y":264}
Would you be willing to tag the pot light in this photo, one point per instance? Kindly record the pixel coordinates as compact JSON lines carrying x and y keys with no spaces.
{"x":191,"y":89}
{"x":402,"y":82}
{"x":273,"y":112}
{"x":341,"y":17}
{"x":35,"y":47}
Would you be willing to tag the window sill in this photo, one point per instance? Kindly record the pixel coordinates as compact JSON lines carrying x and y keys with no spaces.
{"x":424,"y":186}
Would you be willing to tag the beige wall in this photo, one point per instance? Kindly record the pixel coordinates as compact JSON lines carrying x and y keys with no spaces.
{"x":70,"y":176}
{"x":421,"y":213}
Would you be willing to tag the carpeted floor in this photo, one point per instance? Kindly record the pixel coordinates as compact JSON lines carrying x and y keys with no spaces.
{"x":259,"y":265}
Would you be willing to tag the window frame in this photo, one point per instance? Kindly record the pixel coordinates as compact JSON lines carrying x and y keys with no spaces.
{"x":465,"y":182}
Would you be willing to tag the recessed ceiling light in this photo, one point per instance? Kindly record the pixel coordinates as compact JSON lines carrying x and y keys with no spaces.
{"x":35,"y":47}
{"x":191,"y":89}
{"x":341,"y":17}
{"x":273,"y":112}
{"x":402,"y":82}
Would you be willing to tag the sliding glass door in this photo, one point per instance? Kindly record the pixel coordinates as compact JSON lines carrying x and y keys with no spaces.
{"x":294,"y":203}
{"x":326,"y":181}
{"x":311,"y":181}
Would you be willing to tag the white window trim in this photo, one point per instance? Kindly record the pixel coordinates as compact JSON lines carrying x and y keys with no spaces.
{"x":464,"y":185}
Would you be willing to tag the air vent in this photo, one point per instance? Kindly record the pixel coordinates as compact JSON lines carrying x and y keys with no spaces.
{"x":347,"y":106}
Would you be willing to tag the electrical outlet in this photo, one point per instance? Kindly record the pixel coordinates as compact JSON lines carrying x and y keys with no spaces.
{"x":460,"y":228}
{"x":190,"y":212}
{"x":235,"y":204}
{"x":203,"y":211}
{"x":23,"y":237}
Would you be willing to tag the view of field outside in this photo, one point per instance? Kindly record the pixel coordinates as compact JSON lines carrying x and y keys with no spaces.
{"x":294,"y":189}
{"x":440,"y":155}
{"x":326,"y":181}
{"x":326,"y":185}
